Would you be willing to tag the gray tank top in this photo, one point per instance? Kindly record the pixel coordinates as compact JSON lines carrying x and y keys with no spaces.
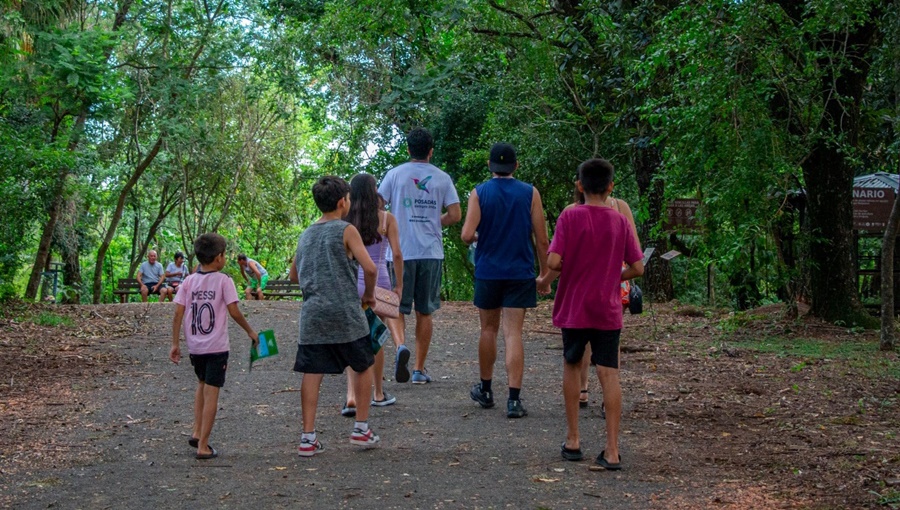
{"x":331,"y":312}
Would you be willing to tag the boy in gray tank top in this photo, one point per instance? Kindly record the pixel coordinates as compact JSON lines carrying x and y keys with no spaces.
{"x":334,"y":332}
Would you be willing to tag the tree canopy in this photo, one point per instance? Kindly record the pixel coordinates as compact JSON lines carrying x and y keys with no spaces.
{"x":127,"y":126}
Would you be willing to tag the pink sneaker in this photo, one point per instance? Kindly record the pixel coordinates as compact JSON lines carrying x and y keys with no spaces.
{"x":308,"y":448}
{"x":367,"y":438}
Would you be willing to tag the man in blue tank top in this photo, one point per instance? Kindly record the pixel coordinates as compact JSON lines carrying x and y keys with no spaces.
{"x":506,"y":218}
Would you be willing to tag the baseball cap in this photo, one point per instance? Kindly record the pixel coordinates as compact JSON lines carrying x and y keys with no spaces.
{"x":503,"y":158}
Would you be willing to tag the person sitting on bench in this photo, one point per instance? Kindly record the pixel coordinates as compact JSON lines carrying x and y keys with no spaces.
{"x":152,"y":278}
{"x":176,"y":272}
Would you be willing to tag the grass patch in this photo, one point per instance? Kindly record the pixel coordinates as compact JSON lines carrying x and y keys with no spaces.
{"x":890,"y":498}
{"x":52,"y":320}
{"x":738,"y":321}
{"x":863,"y":356}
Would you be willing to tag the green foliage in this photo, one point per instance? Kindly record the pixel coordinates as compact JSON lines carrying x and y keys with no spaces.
{"x":862,"y":355}
{"x":889,"y":497}
{"x":250,"y":102}
{"x":49,"y":319}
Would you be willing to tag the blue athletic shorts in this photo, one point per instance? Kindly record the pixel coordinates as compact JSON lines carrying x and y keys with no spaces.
{"x":493,"y":294}
{"x":604,"y":346}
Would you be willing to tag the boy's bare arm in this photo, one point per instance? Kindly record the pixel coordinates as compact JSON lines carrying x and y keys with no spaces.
{"x":175,"y":351}
{"x":634,"y":270}
{"x":539,"y":226}
{"x":473,"y":218}
{"x":256,"y":271}
{"x":292,"y":275}
{"x":354,"y":244}
{"x":554,"y":262}
{"x":238,"y":317}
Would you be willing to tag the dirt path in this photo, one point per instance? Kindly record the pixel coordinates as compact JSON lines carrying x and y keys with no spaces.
{"x":698,"y":430}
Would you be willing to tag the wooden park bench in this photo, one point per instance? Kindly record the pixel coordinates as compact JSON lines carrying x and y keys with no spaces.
{"x":274,"y":289}
{"x":127,"y":287}
{"x":282,"y":289}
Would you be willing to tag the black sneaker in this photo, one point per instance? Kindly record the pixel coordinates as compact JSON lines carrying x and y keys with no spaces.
{"x":514,"y":409}
{"x":485,"y":398}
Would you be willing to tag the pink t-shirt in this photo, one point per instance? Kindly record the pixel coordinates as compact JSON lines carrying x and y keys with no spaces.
{"x":205,"y":297}
{"x":593,"y":242}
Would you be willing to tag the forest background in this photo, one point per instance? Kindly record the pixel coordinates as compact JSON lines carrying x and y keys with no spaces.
{"x":133,"y":125}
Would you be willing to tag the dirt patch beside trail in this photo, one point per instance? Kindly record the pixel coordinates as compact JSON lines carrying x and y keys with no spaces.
{"x":93,"y":415}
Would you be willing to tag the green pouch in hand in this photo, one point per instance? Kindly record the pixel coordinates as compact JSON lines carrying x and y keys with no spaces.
{"x":267,"y":347}
{"x":378,"y":332}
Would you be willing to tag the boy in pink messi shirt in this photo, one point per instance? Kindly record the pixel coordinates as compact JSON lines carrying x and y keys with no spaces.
{"x":203,"y":299}
{"x":590,"y":243}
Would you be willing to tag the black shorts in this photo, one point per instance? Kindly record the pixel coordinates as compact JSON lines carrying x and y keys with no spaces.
{"x":334,"y":358}
{"x":150,"y":286}
{"x":493,"y":294}
{"x":604,"y":346}
{"x":210,"y":368}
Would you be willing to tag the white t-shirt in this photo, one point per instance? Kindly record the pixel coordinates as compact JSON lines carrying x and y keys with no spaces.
{"x":172,"y":269}
{"x":417,"y":193}
{"x":205,"y":297}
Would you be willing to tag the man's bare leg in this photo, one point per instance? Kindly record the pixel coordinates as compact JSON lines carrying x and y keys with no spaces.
{"x":424,"y":329}
{"x":487,"y":342}
{"x":513,"y":322}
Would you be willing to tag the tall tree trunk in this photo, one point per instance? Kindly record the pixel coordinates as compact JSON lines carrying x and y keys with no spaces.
{"x":43,"y":252}
{"x":68,"y":243}
{"x":658,"y":273}
{"x":828,"y":175}
{"x":833,"y":290}
{"x":117,"y":216}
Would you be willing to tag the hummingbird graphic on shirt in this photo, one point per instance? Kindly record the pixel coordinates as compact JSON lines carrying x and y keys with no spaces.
{"x":422,"y":183}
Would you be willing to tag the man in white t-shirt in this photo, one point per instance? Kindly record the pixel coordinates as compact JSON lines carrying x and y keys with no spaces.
{"x":424,"y":200}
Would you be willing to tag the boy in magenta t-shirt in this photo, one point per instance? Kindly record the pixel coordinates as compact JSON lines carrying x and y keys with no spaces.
{"x":590,"y":243}
{"x":202,"y":301}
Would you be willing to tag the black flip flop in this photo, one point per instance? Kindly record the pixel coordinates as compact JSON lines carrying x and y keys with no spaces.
{"x":583,"y":403}
{"x":602,"y":462}
{"x":348,"y":411}
{"x":211,"y":455}
{"x":572,"y":455}
{"x":194,"y":442}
